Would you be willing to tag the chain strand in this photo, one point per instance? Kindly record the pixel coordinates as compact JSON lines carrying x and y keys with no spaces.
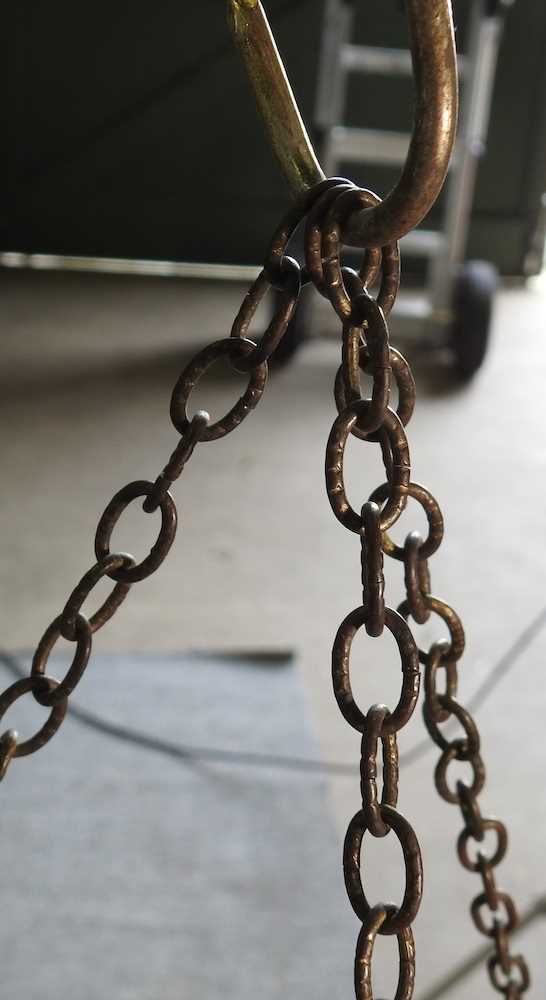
{"x":365,"y":349}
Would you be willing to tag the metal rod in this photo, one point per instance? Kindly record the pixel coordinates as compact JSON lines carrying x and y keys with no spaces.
{"x":275,"y":98}
{"x":436,"y":90}
{"x":484,"y":41}
{"x":125,"y":265}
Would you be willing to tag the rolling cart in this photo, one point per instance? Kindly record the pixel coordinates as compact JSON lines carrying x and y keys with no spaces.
{"x":456,"y":304}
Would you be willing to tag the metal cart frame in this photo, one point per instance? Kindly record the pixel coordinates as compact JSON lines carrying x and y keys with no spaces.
{"x":457,"y":297}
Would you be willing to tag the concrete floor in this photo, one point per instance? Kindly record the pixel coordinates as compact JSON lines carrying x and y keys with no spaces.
{"x":260,"y":561}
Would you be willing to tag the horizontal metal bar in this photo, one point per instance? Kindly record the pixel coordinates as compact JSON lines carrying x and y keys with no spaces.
{"x":124,"y":265}
{"x":346,"y":144}
{"x":372,"y":59}
{"x":383,"y":61}
{"x":367,"y":145}
{"x":423,"y":242}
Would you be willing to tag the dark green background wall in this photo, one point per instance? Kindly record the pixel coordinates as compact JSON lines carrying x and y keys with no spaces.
{"x":130,"y":129}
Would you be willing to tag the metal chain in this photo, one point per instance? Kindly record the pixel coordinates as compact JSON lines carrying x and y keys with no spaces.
{"x":509,"y":974}
{"x":365,"y":348}
{"x":285,"y":276}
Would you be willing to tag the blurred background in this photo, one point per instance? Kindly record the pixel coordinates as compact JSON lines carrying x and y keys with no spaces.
{"x":183,"y":830}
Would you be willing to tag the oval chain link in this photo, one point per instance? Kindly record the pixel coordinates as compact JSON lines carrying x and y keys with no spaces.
{"x":371,"y":927}
{"x":365,"y":346}
{"x":280,"y":272}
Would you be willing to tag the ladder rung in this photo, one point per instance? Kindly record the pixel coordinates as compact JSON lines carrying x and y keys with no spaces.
{"x":370,"y":145}
{"x":367,"y":145}
{"x":388,"y":62}
{"x":372,"y":59}
{"x":423,"y":242}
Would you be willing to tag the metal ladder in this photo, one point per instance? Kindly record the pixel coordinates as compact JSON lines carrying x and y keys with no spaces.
{"x":444,"y":249}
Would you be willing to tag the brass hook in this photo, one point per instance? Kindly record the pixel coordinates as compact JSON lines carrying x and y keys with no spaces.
{"x":435,"y":72}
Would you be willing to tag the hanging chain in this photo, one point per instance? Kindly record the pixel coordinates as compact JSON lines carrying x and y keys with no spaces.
{"x":282,"y":274}
{"x":365,"y":348}
{"x":245,"y":356}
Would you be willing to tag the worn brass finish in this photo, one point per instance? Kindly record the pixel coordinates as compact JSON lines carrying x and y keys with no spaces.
{"x":323,"y":211}
{"x":364,"y":344}
{"x":434,"y":59}
{"x":432,"y":44}
{"x":274,"y":95}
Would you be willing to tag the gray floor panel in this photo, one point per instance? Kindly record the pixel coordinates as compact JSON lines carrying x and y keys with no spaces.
{"x":130,"y":875}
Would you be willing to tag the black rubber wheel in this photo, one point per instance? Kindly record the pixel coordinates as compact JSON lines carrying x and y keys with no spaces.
{"x":296,"y":333}
{"x":472,"y":306}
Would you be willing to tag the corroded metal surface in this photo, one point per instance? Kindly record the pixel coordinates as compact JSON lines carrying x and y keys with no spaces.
{"x":324,"y":212}
{"x":372,"y":420}
{"x":364,"y":345}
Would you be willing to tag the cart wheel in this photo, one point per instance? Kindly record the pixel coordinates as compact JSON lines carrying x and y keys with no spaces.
{"x":472,"y":302}
{"x":296,"y":333}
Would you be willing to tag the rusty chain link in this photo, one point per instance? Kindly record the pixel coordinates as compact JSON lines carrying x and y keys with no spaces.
{"x":365,"y":349}
{"x":509,"y":974}
{"x":281,"y":273}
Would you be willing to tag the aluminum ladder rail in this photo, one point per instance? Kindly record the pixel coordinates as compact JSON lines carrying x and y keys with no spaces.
{"x":340,"y":144}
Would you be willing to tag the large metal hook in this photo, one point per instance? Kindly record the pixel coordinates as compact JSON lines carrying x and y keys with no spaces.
{"x":435,"y":73}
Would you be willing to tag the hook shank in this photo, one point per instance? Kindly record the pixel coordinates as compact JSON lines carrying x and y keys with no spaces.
{"x":274,"y":96}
